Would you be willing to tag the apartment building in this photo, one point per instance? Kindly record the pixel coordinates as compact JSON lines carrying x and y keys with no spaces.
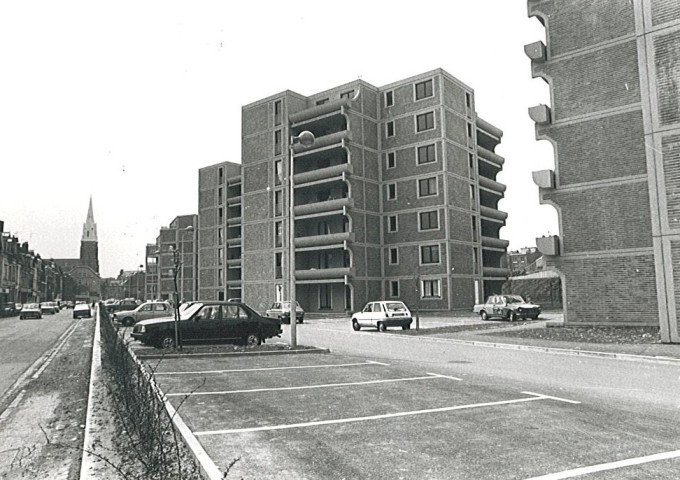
{"x":174,"y":254}
{"x":395,"y":198}
{"x":614,"y":123}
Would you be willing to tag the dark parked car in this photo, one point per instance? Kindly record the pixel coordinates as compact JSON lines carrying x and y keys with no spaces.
{"x":207,"y":322}
{"x":9,"y":309}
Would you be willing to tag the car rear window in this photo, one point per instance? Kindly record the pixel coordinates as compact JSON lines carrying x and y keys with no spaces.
{"x":395,"y":307}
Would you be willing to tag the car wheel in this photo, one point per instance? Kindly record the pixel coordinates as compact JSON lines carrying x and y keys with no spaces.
{"x":534,"y":317}
{"x":511,"y":316}
{"x":252,"y":340}
{"x":381,"y":327}
{"x":301,"y":321}
{"x":166,"y":341}
{"x":484,"y":315}
{"x":128,"y":321}
{"x":406,"y":327}
{"x":355,"y":325}
{"x":21,"y":317}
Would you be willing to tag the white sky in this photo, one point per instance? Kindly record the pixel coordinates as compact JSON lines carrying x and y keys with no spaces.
{"x":126,"y":100}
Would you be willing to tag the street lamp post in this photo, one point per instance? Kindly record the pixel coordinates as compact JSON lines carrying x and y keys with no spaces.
{"x":306,"y":139}
{"x":176,"y":263}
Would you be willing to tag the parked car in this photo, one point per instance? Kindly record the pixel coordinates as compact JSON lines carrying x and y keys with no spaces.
{"x":281,"y":310}
{"x":510,"y":307}
{"x":143,"y":312}
{"x":30,"y":310}
{"x":49,"y":308}
{"x":383,"y":314}
{"x":209,"y":321}
{"x":82,"y":310}
{"x":121,"y":306}
{"x":9,"y":310}
{"x":68,"y":304}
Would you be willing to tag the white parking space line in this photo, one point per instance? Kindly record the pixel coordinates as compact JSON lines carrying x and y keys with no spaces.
{"x":552,"y":398}
{"x":446,"y":376}
{"x":378,"y":363}
{"x":264,"y":369}
{"x":577,"y":472}
{"x":305,"y":387}
{"x":368,"y":418}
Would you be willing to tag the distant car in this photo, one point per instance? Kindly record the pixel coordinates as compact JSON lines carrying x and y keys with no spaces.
{"x":121,"y":306}
{"x":9,"y":310}
{"x":49,"y":308}
{"x":18,"y":306}
{"x":383,"y":314}
{"x":209,"y":321}
{"x":143,"y":312}
{"x":30,"y":310}
{"x":68,"y":304}
{"x":82,"y":310}
{"x":509,"y":307}
{"x":281,"y":310}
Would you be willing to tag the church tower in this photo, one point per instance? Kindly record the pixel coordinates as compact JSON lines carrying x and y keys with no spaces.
{"x":89,"y":251}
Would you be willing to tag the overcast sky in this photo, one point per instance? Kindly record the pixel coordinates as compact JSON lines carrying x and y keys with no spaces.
{"x":126,"y":100}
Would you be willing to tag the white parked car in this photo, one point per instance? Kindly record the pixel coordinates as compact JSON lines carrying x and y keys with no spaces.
{"x":383,"y":314}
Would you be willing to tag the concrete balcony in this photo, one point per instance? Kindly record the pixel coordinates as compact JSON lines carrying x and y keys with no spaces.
{"x":490,"y":156}
{"x":323,"y":273}
{"x":492,"y":213}
{"x":234,"y":221}
{"x":233,"y":242}
{"x":235,"y":180}
{"x":491,"y":184}
{"x":494,"y":242}
{"x":544,"y":178}
{"x":234,"y":283}
{"x":494,"y":272}
{"x":540,"y":114}
{"x":536,"y":51}
{"x":327,"y":206}
{"x":323,"y":141}
{"x":489,"y":129}
{"x":234,"y":200}
{"x":323,"y":174}
{"x":549,"y":245}
{"x":323,"y":240}
{"x":318,"y":110}
{"x":234,"y":262}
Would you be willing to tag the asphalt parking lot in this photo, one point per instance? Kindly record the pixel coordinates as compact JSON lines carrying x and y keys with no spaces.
{"x":335,"y":416}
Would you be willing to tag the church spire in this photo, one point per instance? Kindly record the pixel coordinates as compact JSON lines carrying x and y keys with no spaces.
{"x":89,"y":227}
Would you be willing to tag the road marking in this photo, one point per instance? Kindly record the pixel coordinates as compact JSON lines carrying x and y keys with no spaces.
{"x":446,"y":376}
{"x":553,"y":398}
{"x":430,"y":376}
{"x":378,"y":363}
{"x":368,"y":418}
{"x":264,"y":369}
{"x":608,"y":466}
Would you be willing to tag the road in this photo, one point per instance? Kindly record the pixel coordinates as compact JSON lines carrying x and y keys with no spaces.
{"x":25,"y":341}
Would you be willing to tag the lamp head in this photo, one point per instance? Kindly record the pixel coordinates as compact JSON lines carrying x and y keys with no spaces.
{"x":306,"y":138}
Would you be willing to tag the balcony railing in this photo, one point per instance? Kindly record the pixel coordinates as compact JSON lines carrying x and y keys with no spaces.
{"x":490,"y":156}
{"x":488,"y":128}
{"x":234,"y":241}
{"x":319,"y":207}
{"x":494,"y":272}
{"x":324,"y":141}
{"x":492,"y":213}
{"x":323,"y":173}
{"x":234,"y":221}
{"x":318,"y":240}
{"x":494,"y":242}
{"x":322,"y":273}
{"x":491,"y":184}
{"x":318,"y":110}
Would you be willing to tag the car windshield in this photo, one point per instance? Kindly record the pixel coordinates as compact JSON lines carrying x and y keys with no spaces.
{"x":31,"y":305}
{"x":395,"y":307}
{"x":514,"y":299}
{"x":286,"y":305}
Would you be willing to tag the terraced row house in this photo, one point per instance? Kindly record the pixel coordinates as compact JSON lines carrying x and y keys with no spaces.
{"x":614,"y":121}
{"x":396,"y":197}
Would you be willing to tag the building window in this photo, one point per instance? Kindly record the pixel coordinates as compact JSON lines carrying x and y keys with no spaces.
{"x":278,"y":265}
{"x":394,"y":288}
{"x":391,"y":160}
{"x":473,"y":196}
{"x":389,"y":99}
{"x":429,"y":254}
{"x":322,"y":101}
{"x":220,"y":256}
{"x":219,"y":196}
{"x":475,"y":261}
{"x":471,"y":162}
{"x":429,"y":220}
{"x":469,"y":130}
{"x":220,"y":175}
{"x":220,"y":278}
{"x":220,"y":216}
{"x":278,"y":203}
{"x":468,"y":100}
{"x":424,"y":89}
{"x":278,"y":172}
{"x":389,"y":129}
{"x":391,"y":191}
{"x":220,"y":236}
{"x":348,"y":94}
{"x":425,"y":121}
{"x":427,"y":154}
{"x":277,"y":112}
{"x":277,"y":142}
{"x":427,"y":187}
{"x":431,"y":288}
{"x":474,"y":228}
{"x":325,"y":297}
{"x":394,"y":255}
{"x":278,"y":234}
{"x":392,"y":223}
